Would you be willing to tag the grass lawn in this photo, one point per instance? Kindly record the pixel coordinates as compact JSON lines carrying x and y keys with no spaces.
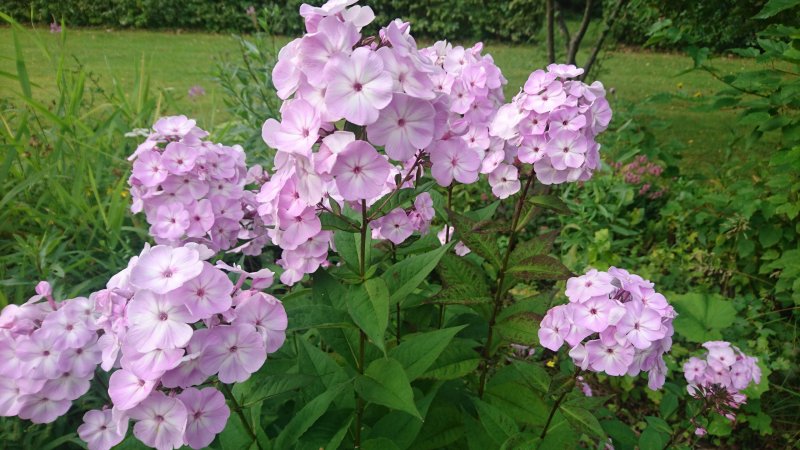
{"x":178,"y":61}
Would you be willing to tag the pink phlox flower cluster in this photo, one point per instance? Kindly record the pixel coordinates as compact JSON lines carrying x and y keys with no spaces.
{"x":193,"y":190}
{"x":49,"y":351}
{"x":629,"y":322}
{"x":398,"y":225}
{"x":164,"y":325}
{"x":553,"y":123}
{"x":643,"y":173}
{"x":721,"y":377}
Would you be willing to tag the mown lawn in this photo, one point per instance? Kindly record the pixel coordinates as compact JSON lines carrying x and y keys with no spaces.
{"x":177,"y":61}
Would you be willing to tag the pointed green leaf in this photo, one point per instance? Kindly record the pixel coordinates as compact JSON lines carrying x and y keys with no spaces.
{"x":484,"y":245}
{"x":459,"y":295}
{"x":701,"y":317}
{"x":774,"y":7}
{"x":385,"y":383}
{"x":402,"y":428}
{"x":497,"y":423}
{"x":540,"y":245}
{"x":540,"y":267}
{"x":307,"y":416}
{"x":418,"y":352}
{"x":405,"y":276}
{"x":582,"y":420}
{"x":368,"y":305}
{"x":550,"y":202}
{"x":457,"y":360}
{"x":460,"y":272}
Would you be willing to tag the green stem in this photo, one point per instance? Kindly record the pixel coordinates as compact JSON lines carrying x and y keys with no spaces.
{"x":397,"y":307}
{"x":501,"y":276}
{"x":555,"y":407}
{"x":408,"y":176}
{"x":238,"y":410}
{"x":362,"y":264}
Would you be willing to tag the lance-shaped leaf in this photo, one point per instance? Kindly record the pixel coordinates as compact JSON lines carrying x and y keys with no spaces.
{"x":498,"y":425}
{"x":457,"y":360}
{"x":540,"y":245}
{"x":418,"y":352}
{"x":550,"y":202}
{"x":460,"y":295}
{"x":368,"y":305}
{"x":402,"y":278}
{"x":582,"y":420}
{"x":540,"y":267}
{"x":456,"y":271}
{"x":385,"y":383}
{"x":305,"y":418}
{"x":484,"y":245}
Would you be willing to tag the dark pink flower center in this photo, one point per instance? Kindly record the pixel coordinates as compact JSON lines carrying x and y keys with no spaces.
{"x":233,"y":349}
{"x":162,"y":316}
{"x":357,"y":169}
{"x":358,"y":87}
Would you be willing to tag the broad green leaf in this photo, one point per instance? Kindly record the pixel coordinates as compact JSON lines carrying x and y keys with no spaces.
{"x":531,"y":376}
{"x":497,"y":423}
{"x":458,"y":272}
{"x":773,"y":7}
{"x":669,"y":404}
{"x":368,"y":305}
{"x":460,"y":295}
{"x":418,"y":352}
{"x":484,"y":245}
{"x":403,"y":277}
{"x":307,"y":416}
{"x":380,"y":443}
{"x":522,"y":328}
{"x":519,"y":401}
{"x":314,"y":361}
{"x":534,"y":306}
{"x":521,"y":441}
{"x":456,"y":361}
{"x":315,"y":315}
{"x":266,"y":386}
{"x":442,"y":427}
{"x":550,"y":202}
{"x":701,"y":317}
{"x":621,"y":434}
{"x":651,"y":439}
{"x":582,"y":420}
{"x":385,"y":383}
{"x":540,"y":267}
{"x":403,"y":428}
{"x":234,"y":437}
{"x":347,"y":247}
{"x":540,"y":245}
{"x":332,"y":222}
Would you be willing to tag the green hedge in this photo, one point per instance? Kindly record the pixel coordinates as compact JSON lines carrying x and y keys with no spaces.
{"x":718,"y":25}
{"x":514,"y":20}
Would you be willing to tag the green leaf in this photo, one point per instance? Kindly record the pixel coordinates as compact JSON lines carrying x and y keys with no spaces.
{"x":380,"y":443}
{"x":443,"y":426}
{"x":497,"y":424}
{"x":456,"y":271}
{"x":265,"y":386}
{"x":233,"y":437}
{"x":315,"y":315}
{"x":385,"y":383}
{"x":418,"y":352}
{"x":621,"y":434}
{"x":701,"y":317}
{"x":540,"y":267}
{"x":403,"y":277}
{"x":582,"y":420}
{"x":484,"y":245}
{"x":402,"y":428}
{"x":669,"y":404}
{"x":307,"y":416}
{"x":651,"y":439}
{"x":550,"y":202}
{"x":347,"y":248}
{"x":333,"y":222}
{"x":459,"y":295}
{"x":369,"y":307}
{"x":522,"y":328}
{"x":522,"y":441}
{"x":773,"y":7}
{"x":540,"y":245}
{"x":457,"y":360}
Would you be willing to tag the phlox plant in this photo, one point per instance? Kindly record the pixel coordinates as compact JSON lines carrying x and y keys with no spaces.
{"x":408,"y":322}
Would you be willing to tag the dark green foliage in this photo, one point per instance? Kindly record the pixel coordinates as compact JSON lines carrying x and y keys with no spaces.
{"x":514,"y":21}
